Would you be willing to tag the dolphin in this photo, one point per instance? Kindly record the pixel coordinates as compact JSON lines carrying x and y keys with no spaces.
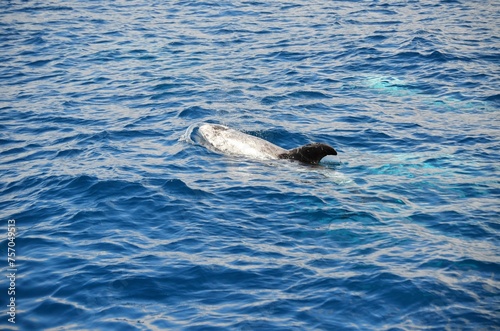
{"x":229,"y":141}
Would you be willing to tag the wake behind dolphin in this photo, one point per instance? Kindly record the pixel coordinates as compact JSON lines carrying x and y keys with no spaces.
{"x":233,"y":142}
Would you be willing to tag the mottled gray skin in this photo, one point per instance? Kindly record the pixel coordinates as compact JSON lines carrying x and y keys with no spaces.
{"x":232,"y":142}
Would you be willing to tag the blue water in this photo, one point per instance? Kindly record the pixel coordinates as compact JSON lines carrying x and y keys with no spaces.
{"x":125,"y":222}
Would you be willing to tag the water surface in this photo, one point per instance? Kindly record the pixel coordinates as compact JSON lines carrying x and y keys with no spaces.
{"x":123,"y":223}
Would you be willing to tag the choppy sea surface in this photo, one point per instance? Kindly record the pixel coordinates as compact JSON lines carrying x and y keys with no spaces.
{"x":124,"y":222}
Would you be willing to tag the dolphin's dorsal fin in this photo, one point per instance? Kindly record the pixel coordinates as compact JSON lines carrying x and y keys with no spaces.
{"x":310,"y":153}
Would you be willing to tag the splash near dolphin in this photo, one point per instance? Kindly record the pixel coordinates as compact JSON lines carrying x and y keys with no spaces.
{"x":233,"y":142}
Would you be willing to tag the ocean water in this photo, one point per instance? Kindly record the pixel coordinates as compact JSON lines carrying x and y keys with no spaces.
{"x":122,"y":220}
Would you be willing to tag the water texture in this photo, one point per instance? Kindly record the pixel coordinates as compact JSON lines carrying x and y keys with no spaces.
{"x":125,"y":222}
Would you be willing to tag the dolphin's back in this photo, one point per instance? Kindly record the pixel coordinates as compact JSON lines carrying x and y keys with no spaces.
{"x":229,"y":141}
